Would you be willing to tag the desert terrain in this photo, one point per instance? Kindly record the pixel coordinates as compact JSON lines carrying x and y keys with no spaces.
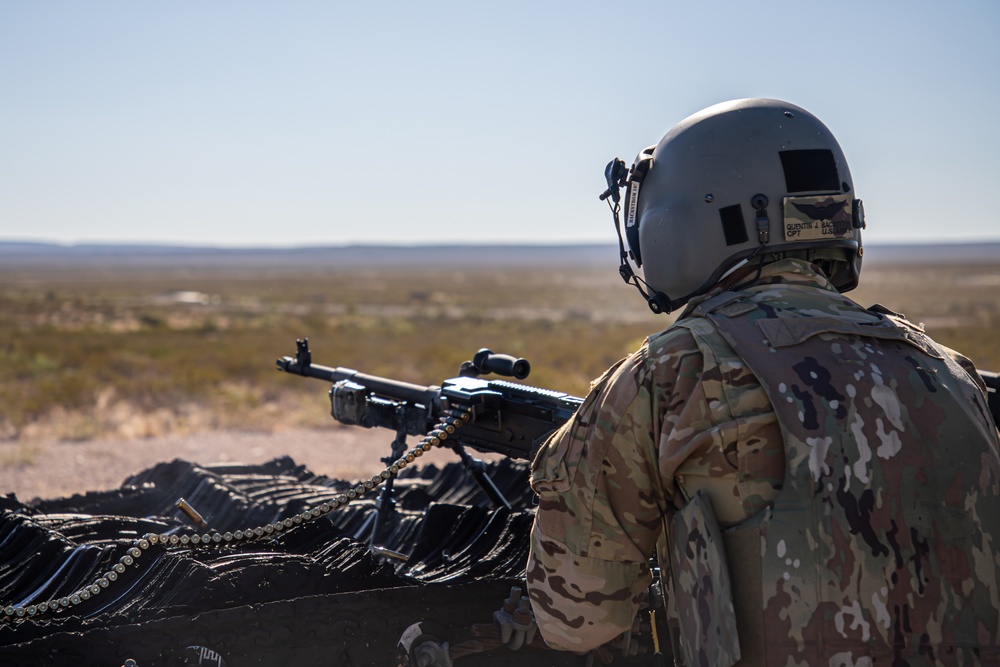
{"x":113,"y":362}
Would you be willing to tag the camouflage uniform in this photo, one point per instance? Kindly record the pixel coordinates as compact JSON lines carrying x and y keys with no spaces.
{"x":853,"y":486}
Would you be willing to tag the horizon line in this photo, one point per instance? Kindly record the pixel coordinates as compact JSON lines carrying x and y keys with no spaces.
{"x":192,"y":245}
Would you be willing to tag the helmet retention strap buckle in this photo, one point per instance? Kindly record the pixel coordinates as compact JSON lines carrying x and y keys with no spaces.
{"x":759,"y":203}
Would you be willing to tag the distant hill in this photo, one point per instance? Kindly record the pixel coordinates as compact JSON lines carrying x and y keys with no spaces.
{"x":934,"y":253}
{"x":25,"y":254}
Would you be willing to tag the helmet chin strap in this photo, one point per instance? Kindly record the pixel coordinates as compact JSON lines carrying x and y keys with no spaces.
{"x":658,"y":301}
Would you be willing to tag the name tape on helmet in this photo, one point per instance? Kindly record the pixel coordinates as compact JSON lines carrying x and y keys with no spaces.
{"x":819,"y":218}
{"x":633,"y":203}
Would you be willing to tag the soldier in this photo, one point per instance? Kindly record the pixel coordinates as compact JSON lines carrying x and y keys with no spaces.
{"x":820,"y":481}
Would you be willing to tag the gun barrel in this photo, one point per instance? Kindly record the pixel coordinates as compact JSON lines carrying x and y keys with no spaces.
{"x":402,"y":391}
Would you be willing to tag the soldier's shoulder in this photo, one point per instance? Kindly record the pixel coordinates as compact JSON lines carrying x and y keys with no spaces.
{"x":680,"y":335}
{"x":898,"y":318}
{"x":963,"y":361}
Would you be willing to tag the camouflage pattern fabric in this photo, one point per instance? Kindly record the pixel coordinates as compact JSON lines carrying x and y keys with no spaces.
{"x":699,"y":573}
{"x":585,"y":589}
{"x":686,"y":414}
{"x":880,"y":546}
{"x":679,"y":416}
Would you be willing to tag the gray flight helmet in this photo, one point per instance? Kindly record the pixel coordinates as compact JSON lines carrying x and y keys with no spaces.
{"x":736,"y":181}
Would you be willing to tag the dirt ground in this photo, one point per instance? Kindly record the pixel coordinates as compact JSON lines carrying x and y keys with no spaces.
{"x":49,"y":469}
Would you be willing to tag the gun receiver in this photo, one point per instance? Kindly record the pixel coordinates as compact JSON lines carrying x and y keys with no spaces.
{"x":508,"y":418}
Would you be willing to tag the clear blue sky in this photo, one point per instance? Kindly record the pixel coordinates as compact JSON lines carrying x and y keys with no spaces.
{"x":287,"y":123}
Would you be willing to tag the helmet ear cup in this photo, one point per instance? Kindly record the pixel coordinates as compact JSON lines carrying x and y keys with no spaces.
{"x":632,"y":222}
{"x":640,"y":169}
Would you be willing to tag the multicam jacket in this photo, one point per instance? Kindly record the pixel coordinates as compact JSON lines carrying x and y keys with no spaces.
{"x":856,"y":488}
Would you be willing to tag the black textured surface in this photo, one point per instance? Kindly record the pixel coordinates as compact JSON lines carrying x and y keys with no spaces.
{"x":313,"y":595}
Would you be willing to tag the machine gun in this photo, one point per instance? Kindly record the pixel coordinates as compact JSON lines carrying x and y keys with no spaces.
{"x":506,"y":417}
